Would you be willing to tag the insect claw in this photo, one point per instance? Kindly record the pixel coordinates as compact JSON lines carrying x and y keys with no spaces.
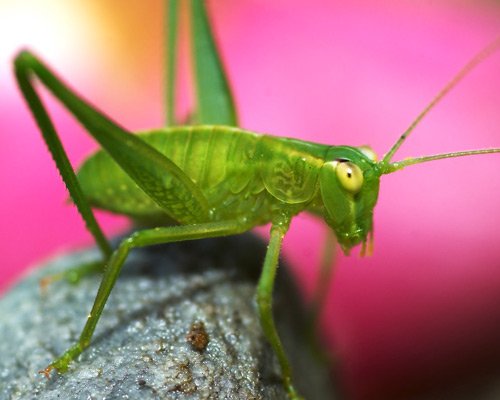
{"x":43,"y":284}
{"x":46,"y":281}
{"x":46,"y":371}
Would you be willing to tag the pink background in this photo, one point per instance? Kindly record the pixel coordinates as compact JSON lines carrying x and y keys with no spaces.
{"x":424,"y":310}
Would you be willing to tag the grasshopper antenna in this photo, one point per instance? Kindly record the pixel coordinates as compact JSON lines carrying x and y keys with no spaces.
{"x":476,"y":60}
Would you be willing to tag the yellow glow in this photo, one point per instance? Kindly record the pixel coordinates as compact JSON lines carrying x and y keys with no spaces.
{"x":58,"y":29}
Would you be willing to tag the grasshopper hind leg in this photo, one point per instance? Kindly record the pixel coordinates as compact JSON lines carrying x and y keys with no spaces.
{"x":25,"y":65}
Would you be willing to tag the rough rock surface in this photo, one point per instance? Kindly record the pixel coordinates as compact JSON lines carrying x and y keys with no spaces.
{"x":150,"y":342}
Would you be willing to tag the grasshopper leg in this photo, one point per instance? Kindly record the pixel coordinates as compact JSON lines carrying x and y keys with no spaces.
{"x":112,"y":270}
{"x":323,"y":283}
{"x":264,"y":304}
{"x":24,"y":65}
{"x":181,"y":199}
{"x":73,"y":275}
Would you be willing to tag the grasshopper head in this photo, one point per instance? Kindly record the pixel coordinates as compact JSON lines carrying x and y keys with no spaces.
{"x":349,"y":183}
{"x":350,"y":177}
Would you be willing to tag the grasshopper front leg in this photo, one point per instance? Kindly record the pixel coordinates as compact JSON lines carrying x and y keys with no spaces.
{"x":264,"y":302}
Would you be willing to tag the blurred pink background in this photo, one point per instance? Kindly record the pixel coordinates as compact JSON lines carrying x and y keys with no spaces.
{"x":424,"y":311}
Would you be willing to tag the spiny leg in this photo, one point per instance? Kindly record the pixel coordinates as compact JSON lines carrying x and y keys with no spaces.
{"x":264,"y":303}
{"x":53,"y":142}
{"x":138,"y":239}
{"x":51,"y":138}
{"x":178,"y":196}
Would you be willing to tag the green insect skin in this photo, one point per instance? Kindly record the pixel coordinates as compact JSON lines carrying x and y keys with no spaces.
{"x":245,"y":175}
{"x":213,"y":181}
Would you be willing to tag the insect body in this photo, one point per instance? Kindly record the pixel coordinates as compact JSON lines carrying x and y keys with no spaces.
{"x":244,"y":175}
{"x":213,"y":181}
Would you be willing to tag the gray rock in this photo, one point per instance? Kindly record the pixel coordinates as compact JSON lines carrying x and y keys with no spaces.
{"x":147,"y":344}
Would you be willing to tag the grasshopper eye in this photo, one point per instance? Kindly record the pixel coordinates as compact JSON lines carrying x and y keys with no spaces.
{"x":350,"y":176}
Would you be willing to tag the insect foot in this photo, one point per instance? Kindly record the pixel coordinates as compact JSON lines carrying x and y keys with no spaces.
{"x":72,"y":275}
{"x":139,"y":347}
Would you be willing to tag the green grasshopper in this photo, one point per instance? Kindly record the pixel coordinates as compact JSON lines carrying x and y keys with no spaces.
{"x":211,"y":180}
